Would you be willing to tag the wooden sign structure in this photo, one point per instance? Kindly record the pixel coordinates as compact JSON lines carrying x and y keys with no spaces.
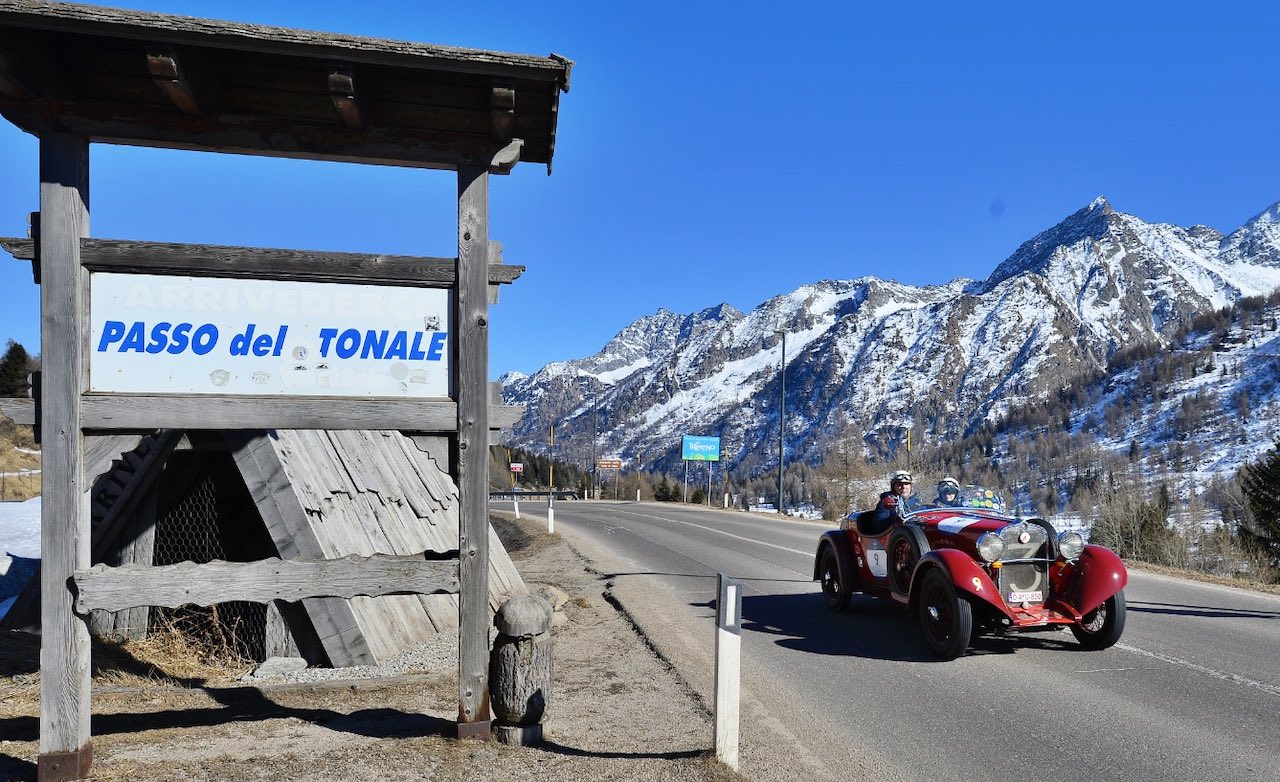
{"x":74,"y":75}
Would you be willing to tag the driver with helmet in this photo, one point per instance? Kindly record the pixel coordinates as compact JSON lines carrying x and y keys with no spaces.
{"x":897,"y":501}
{"x":948,"y":493}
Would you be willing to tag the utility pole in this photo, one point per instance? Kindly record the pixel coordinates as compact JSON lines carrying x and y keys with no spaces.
{"x":782,"y":416}
{"x":595,"y":403}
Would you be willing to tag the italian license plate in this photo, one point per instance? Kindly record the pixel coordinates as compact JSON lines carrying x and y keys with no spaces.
{"x":1026,"y":597}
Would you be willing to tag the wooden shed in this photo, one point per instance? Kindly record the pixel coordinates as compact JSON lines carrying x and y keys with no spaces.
{"x":201,"y":496}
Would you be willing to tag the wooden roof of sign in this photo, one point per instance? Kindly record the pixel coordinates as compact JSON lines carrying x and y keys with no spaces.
{"x":148,"y":79}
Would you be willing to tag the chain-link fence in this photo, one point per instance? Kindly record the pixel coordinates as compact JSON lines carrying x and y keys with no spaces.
{"x":191,"y":531}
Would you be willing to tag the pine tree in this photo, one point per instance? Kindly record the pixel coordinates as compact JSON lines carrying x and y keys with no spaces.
{"x":1261,"y":483}
{"x":14,"y":368}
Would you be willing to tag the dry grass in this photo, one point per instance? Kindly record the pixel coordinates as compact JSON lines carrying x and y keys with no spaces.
{"x":12,"y":460}
{"x":177,"y":655}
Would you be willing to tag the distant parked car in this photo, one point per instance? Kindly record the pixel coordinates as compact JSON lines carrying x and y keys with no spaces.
{"x":976,"y":568}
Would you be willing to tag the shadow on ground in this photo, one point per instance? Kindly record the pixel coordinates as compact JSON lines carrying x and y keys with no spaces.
{"x":871,"y":628}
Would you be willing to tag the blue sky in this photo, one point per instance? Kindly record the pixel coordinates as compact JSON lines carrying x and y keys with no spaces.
{"x":730,"y":152}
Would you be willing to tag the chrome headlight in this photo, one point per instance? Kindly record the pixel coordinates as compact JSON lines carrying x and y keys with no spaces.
{"x":1070,"y":544}
{"x":990,"y":547}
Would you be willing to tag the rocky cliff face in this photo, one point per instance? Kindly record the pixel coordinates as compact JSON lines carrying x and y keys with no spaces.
{"x":879,"y":358}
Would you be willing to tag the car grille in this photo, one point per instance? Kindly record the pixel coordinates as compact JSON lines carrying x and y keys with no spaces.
{"x":1018,"y":576}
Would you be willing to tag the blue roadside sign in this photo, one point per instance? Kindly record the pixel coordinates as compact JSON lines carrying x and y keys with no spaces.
{"x":700,"y":449}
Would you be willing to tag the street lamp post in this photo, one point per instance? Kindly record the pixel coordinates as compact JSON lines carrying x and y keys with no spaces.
{"x":595,"y":404}
{"x":782,"y":416}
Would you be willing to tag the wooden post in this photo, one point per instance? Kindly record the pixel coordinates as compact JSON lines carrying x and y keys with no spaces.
{"x":65,"y":749}
{"x":728,"y":669}
{"x":471,"y":349}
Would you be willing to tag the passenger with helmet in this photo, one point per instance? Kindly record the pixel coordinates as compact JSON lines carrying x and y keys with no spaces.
{"x":897,"y":501}
{"x":948,"y":493}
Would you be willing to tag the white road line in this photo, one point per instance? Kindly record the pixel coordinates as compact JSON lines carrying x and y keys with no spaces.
{"x":1228,"y":677}
{"x":719,"y":532}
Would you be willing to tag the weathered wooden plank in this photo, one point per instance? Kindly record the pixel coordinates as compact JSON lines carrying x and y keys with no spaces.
{"x":102,"y":450}
{"x":331,"y":458}
{"x":278,"y":640}
{"x":64,"y":527}
{"x":138,"y":412}
{"x":205,"y":584}
{"x":204,"y":260}
{"x":136,"y":546}
{"x":333,"y":619}
{"x":471,"y":349}
{"x":20,"y":411}
{"x":139,"y":480}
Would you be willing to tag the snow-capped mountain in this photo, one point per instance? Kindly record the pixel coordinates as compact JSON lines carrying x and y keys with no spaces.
{"x":880,"y":358}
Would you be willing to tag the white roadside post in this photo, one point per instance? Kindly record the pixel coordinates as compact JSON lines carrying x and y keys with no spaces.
{"x":728,"y":669}
{"x":516,"y":469}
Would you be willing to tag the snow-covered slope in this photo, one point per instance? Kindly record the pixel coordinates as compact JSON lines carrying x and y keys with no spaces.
{"x":879,"y":358}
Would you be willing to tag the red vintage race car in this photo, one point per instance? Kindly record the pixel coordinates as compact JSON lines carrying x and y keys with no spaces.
{"x":972,"y":566}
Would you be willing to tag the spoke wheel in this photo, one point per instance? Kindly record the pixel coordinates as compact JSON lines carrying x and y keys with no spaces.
{"x":834,"y":591}
{"x":906,"y":545}
{"x":945,"y":617}
{"x":1102,"y":627}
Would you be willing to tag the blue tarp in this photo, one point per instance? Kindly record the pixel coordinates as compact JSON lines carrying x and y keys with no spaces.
{"x":21,"y":570}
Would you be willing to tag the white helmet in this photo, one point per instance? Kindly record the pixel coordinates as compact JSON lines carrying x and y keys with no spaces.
{"x":900,"y":476}
{"x":948,"y":483}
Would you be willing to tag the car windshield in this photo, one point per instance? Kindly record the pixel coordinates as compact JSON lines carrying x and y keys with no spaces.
{"x":953,"y":493}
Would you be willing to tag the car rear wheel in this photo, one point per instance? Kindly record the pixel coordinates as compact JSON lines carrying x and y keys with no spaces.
{"x":945,"y":617}
{"x":834,"y":591}
{"x":1102,"y":626}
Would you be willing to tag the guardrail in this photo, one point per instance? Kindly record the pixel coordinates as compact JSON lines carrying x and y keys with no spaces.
{"x":559,"y":494}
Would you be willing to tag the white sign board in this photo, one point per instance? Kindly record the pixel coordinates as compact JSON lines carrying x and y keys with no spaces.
{"x":199,"y":335}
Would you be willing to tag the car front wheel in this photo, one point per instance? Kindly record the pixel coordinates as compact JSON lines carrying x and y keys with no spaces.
{"x":1102,"y":626}
{"x":945,"y":617}
{"x":834,"y":591}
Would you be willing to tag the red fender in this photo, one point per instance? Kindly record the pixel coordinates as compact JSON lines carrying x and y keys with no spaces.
{"x":1101,"y":574}
{"x":967,"y":576}
{"x":838,"y":540}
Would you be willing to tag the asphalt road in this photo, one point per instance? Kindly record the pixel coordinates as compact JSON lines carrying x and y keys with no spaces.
{"x":1191,"y":692}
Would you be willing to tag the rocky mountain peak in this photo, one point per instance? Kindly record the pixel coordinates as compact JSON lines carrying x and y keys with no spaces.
{"x":1257,"y":241}
{"x":1091,"y":222}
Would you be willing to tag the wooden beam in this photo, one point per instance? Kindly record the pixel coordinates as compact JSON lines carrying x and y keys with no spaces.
{"x":144,"y":476}
{"x":117,"y":588}
{"x":22,"y":411}
{"x":505,"y":416}
{"x":260,"y":134}
{"x":168,"y":75}
{"x":145,"y":412}
{"x":65,"y":747}
{"x":18,"y":410}
{"x":502,"y":112}
{"x":342,"y":91}
{"x":471,"y":353}
{"x":203,"y":260}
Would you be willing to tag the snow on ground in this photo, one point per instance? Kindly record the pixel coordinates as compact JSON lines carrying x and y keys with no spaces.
{"x":20,"y":528}
{"x":19,"y":536}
